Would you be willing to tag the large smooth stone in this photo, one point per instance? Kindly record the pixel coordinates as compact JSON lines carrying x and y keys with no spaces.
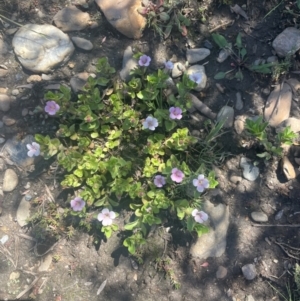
{"x":71,"y":19}
{"x":292,"y":122}
{"x":213,"y":243}
{"x":287,"y":42}
{"x":40,"y":48}
{"x":278,"y":105}
{"x":124,"y":16}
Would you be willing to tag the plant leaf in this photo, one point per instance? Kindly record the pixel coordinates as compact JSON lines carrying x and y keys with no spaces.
{"x":220,"y":75}
{"x":220,"y":40}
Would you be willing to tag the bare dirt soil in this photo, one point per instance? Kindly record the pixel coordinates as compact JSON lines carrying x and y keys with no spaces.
{"x":78,"y":268}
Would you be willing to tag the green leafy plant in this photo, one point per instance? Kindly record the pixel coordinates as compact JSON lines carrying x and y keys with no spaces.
{"x":257,"y":129}
{"x":121,"y":148}
{"x":163,"y":16}
{"x":238,"y":55}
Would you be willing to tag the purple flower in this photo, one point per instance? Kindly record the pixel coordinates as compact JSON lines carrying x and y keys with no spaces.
{"x":169,"y":65}
{"x":159,"y":181}
{"x":177,"y":175}
{"x":196,"y":77}
{"x":150,"y":123}
{"x":106,"y":217}
{"x":199,"y":216}
{"x":33,"y":149}
{"x":201,"y":183}
{"x":144,"y":60}
{"x":175,"y":113}
{"x":77,"y":204}
{"x":51,"y":107}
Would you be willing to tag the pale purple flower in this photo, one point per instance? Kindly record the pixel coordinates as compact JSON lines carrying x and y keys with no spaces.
{"x":51,"y":107}
{"x":144,"y":60}
{"x":77,"y":204}
{"x":199,"y":216}
{"x":177,"y":175}
{"x":169,"y":65}
{"x":159,"y":181}
{"x":150,"y":123}
{"x":106,"y":217}
{"x":175,"y":113}
{"x":196,"y":77}
{"x":201,"y":183}
{"x":33,"y":149}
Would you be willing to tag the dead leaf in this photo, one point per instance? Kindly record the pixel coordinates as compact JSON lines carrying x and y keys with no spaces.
{"x":204,"y":264}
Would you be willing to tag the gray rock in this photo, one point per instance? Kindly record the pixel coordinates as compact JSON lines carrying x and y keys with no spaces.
{"x":197,"y":54}
{"x":23,"y":212}
{"x":178,"y":70}
{"x":223,"y":55}
{"x":4,"y":102}
{"x":221,"y":272}
{"x":213,"y":243}
{"x":259,"y":216}
{"x":16,"y":150}
{"x":124,"y":16}
{"x":2,"y":140}
{"x":199,"y":69}
{"x":250,"y":172}
{"x":287,"y":42}
{"x":129,"y":63}
{"x":226,"y":114}
{"x":239,"y":102}
{"x":10,"y":180}
{"x":40,"y":48}
{"x":46,"y":263}
{"x":2,"y":164}
{"x":78,"y":81}
{"x":8,"y":121}
{"x":71,"y":19}
{"x":82,"y":43}
{"x":272,"y":59}
{"x":249,"y":271}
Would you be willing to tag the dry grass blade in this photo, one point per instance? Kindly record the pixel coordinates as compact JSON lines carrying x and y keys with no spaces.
{"x":101,"y":288}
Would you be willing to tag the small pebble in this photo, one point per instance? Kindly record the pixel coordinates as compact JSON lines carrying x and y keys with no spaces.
{"x":239,"y":102}
{"x":28,"y":197}
{"x":8,"y":121}
{"x":15,"y":92}
{"x":249,"y":271}
{"x":2,"y":140}
{"x":24,"y":112}
{"x":279,"y":215}
{"x":259,"y":216}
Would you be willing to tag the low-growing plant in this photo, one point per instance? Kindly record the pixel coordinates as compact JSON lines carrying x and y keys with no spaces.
{"x":163,"y":15}
{"x":127,"y":146}
{"x":257,"y":128}
{"x":238,"y":55}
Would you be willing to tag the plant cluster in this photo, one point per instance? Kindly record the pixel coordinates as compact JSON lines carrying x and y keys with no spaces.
{"x":163,"y":16}
{"x":126,"y":146}
{"x":273,"y":147}
{"x":238,"y":55}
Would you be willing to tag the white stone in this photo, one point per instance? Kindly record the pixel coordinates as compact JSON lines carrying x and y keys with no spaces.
{"x":178,"y":70}
{"x":40,"y":48}
{"x":249,"y":271}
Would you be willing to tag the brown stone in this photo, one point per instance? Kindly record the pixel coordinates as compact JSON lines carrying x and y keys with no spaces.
{"x":278,"y":105}
{"x":71,"y":19}
{"x":124,"y":16}
{"x":288,"y":169}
